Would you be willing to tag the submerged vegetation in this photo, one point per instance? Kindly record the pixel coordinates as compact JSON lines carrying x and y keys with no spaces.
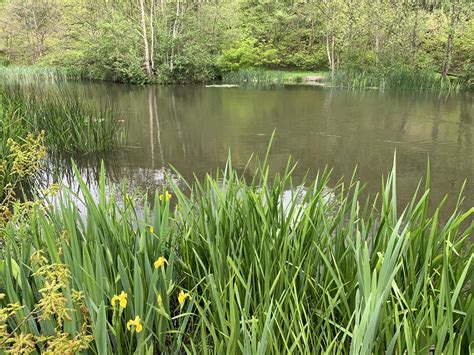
{"x":229,"y":267}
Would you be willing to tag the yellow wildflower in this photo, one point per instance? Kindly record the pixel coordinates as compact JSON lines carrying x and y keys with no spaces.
{"x":159,"y":300}
{"x":160,"y":262}
{"x":136,"y":323}
{"x":182,"y":297}
{"x":122,"y":298}
{"x":166,"y":195}
{"x":152,"y":229}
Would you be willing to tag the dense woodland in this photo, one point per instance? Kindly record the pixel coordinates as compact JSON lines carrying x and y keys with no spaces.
{"x":182,"y":41}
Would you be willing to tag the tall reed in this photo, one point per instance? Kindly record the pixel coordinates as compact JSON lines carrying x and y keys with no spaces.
{"x":72,"y":123}
{"x":400,"y":80}
{"x":34,"y":73}
{"x":253,"y":77}
{"x":245,"y":271}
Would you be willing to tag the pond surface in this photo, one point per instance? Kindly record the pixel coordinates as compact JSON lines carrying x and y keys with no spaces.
{"x":193,"y":127}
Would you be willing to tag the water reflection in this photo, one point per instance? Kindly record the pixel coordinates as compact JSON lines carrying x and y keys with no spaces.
{"x":192,"y":129}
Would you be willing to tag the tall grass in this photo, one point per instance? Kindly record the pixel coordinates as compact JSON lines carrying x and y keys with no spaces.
{"x":254,"y":77}
{"x":401,"y":80}
{"x":34,"y":73}
{"x":320,"y":273}
{"x":71,"y":122}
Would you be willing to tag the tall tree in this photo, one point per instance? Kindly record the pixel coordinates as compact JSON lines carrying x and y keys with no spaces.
{"x":146,"y":52}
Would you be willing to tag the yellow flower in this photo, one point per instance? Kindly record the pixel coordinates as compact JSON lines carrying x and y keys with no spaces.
{"x":167,"y":195}
{"x":160,"y":262}
{"x":159,"y":300}
{"x":182,"y":297}
{"x":152,"y":229}
{"x":122,"y":298}
{"x":136,"y":323}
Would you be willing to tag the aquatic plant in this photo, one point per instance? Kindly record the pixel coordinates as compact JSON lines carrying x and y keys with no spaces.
{"x":253,"y":77}
{"x":227,"y":266}
{"x":34,"y":73}
{"x":71,"y":122}
{"x":397,"y":79}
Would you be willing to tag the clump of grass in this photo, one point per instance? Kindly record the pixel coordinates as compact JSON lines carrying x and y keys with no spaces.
{"x":72,"y":123}
{"x":400,"y":80}
{"x":253,"y":77}
{"x":34,"y":73}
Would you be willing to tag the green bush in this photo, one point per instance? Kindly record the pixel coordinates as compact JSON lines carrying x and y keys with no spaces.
{"x":246,"y":54}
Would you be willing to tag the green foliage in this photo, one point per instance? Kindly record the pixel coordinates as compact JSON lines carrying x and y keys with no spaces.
{"x":247,"y":54}
{"x":72,"y":124}
{"x":20,"y":161}
{"x":196,"y":41}
{"x":35,"y":73}
{"x":252,"y":267}
{"x":114,"y":54}
{"x":402,"y":79}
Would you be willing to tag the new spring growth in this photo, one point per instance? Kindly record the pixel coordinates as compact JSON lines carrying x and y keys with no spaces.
{"x":122,"y":298}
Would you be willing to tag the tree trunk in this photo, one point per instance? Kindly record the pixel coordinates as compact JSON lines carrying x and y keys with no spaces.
{"x":330,"y":53}
{"x":449,"y":42}
{"x":152,"y":35}
{"x":414,"y":39}
{"x":377,"y":30}
{"x":145,"y":41}
{"x":174,"y":34}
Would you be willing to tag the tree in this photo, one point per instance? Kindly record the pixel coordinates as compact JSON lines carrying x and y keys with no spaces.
{"x":30,"y":23}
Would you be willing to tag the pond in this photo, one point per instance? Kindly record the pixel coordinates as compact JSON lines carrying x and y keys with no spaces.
{"x":192,"y":129}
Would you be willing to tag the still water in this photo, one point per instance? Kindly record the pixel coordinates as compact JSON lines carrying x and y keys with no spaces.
{"x":192,"y":129}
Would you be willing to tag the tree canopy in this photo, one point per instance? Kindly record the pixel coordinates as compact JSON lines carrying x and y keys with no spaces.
{"x":139,"y":41}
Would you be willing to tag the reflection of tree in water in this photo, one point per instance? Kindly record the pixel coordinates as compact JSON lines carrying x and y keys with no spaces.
{"x":465,"y":119}
{"x":191,"y":128}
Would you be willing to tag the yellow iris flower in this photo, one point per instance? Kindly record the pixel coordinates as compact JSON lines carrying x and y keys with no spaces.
{"x":160,"y":262}
{"x":122,"y":298}
{"x":166,"y":195}
{"x":152,"y":229}
{"x":136,"y":323}
{"x":183,"y":296}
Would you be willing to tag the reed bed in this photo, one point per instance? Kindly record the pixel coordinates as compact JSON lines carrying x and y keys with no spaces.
{"x":224,"y":266}
{"x":254,"y":77}
{"x":35,"y":73}
{"x":399,"y":80}
{"x":72,"y":123}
